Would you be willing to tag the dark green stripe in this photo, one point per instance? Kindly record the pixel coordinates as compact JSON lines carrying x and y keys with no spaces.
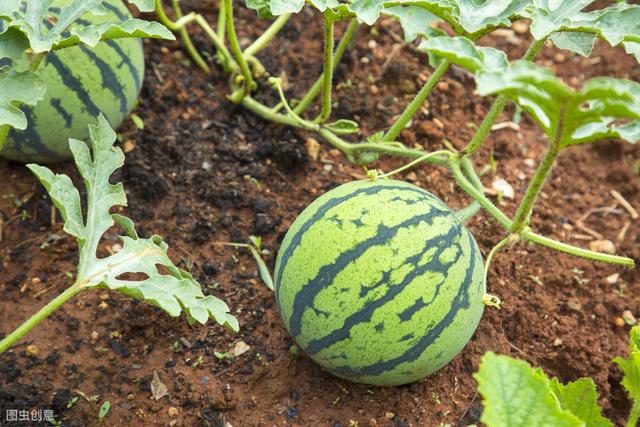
{"x":57,"y":104}
{"x":460,"y":302}
{"x":73,"y":83}
{"x":326,"y":275}
{"x":119,"y":13}
{"x":442,"y":243}
{"x":29,"y":140}
{"x":109,"y":79}
{"x":323,"y":209}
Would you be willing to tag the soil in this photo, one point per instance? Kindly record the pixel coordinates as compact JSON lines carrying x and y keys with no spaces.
{"x":204,"y":171}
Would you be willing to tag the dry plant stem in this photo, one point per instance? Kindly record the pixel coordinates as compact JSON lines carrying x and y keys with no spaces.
{"x":313,"y":92}
{"x":38,"y":317}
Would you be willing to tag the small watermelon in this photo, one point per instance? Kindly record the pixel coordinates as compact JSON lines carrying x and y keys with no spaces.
{"x":379,"y":282}
{"x":81,"y":83}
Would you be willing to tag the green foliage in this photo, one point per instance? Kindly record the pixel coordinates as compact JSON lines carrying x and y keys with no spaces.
{"x":463,"y":52}
{"x":27,"y":34}
{"x":515,"y":394}
{"x":174,"y":292}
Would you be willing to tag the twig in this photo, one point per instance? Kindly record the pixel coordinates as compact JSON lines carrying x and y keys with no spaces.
{"x":623,"y":232}
{"x":625,"y":204}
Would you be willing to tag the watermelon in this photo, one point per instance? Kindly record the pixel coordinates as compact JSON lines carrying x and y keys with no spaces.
{"x":81,"y":83}
{"x":379,"y":282}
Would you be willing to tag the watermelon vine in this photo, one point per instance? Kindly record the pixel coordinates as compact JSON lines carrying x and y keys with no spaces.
{"x":603,"y":108}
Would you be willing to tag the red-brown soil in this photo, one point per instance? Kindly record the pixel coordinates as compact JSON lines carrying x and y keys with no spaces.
{"x":204,"y":170}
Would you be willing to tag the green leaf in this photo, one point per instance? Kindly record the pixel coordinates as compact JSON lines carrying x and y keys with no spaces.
{"x":343,"y":127}
{"x":263,"y":7}
{"x":144,"y":5}
{"x":415,"y":22}
{"x":580,"y":43}
{"x":632,"y":48}
{"x":175,"y":291}
{"x":13,"y":44}
{"x":18,"y":88}
{"x":8,"y":7}
{"x":280,"y":7}
{"x":91,"y":35}
{"x":516,"y":395}
{"x":581,"y":399}
{"x":462,"y":51}
{"x":104,"y":409}
{"x":548,"y":16}
{"x":631,"y":367}
{"x":468,"y":16}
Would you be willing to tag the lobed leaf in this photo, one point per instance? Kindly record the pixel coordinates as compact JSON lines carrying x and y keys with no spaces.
{"x":578,"y":42}
{"x":548,"y":16}
{"x":91,"y":35}
{"x":174,"y":292}
{"x":415,"y":22}
{"x":463,"y":52}
{"x":516,"y":395}
{"x":581,"y":399}
{"x":144,"y":5}
{"x":18,"y":88}
{"x":631,"y":367}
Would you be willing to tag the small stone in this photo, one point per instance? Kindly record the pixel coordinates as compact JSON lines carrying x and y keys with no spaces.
{"x":128,"y":146}
{"x":240,"y":348}
{"x":364,"y":60}
{"x":502,"y":186}
{"x":94,"y":336}
{"x":612,"y":279}
{"x":604,"y":246}
{"x":328,"y":167}
{"x":372,"y":44}
{"x":557,"y":342}
{"x":206,"y":165}
{"x":313,"y":148}
{"x":629,"y":318}
{"x":32,"y":351}
{"x":116,"y":247}
{"x":412,"y":176}
{"x":104,"y":296}
{"x":443,"y":86}
{"x":389,"y":415}
{"x":334,"y":152}
{"x":529,"y":162}
{"x":35,"y":280}
{"x":103,"y":305}
{"x":173,"y":412}
{"x":373,"y":89}
{"x":520,"y":27}
{"x":619,"y":322}
{"x":559,"y":57}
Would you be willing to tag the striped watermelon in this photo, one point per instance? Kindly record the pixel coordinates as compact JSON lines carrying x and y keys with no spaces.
{"x":379,"y":282}
{"x":81,"y":83}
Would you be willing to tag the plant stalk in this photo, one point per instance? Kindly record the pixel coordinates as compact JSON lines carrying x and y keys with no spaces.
{"x":327,"y":85}
{"x":496,"y":109}
{"x":186,"y":40}
{"x":38,"y":317}
{"x":249,"y":84}
{"x":308,"y":98}
{"x":268,"y":35}
{"x":227,"y":62}
{"x":410,"y":110}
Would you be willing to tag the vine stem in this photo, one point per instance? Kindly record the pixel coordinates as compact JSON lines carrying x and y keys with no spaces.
{"x":228,"y":64}
{"x":268,"y":35}
{"x":249,"y":84}
{"x":535,"y":186}
{"x":186,"y":39}
{"x":501,"y":244}
{"x":308,"y":98}
{"x":327,"y":84}
{"x":38,"y":317}
{"x":410,"y":110}
{"x":496,"y":109}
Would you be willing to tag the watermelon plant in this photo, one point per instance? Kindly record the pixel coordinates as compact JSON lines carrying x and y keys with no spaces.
{"x":62,"y":63}
{"x":337,"y":286}
{"x":173,"y":290}
{"x":516,"y":395}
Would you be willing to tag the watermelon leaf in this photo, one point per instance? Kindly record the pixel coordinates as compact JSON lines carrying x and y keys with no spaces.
{"x":93,"y":34}
{"x":614,"y":24}
{"x":143,"y":5}
{"x":462,"y":51}
{"x":581,"y":399}
{"x":516,"y":395}
{"x":631,"y":369}
{"x":174,"y":291}
{"x":415,"y":22}
{"x":588,"y":114}
{"x":20,"y":88}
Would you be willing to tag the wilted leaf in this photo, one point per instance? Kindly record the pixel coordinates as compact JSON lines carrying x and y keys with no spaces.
{"x":158,"y":389}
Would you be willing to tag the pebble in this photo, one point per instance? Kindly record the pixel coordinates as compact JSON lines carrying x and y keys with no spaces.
{"x":619,"y":322}
{"x":32,"y":351}
{"x":389,"y":415}
{"x":372,"y":44}
{"x":557,"y":342}
{"x":373,"y":89}
{"x":629,"y":318}
{"x":313,"y":148}
{"x":502,"y":186}
{"x":173,"y":412}
{"x":239,"y":348}
{"x":612,"y":279}
{"x":520,"y":27}
{"x":604,"y":246}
